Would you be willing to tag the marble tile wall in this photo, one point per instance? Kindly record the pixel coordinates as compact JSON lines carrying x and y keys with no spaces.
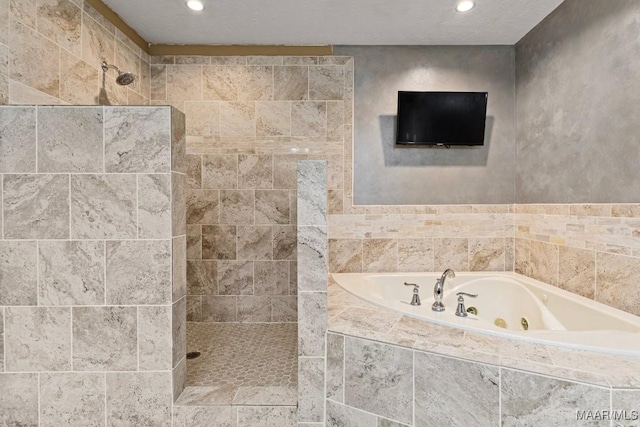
{"x":92,"y":283}
{"x":51,"y":51}
{"x":591,"y":250}
{"x":371,"y":384}
{"x":252,"y":121}
{"x":312,"y":289}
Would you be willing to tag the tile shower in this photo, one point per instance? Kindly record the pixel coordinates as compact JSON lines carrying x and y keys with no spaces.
{"x":93,"y":284}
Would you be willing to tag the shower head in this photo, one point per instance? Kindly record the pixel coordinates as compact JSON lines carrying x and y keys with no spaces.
{"x":123,"y":78}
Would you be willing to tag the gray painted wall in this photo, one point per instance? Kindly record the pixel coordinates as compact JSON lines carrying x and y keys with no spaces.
{"x":386,"y":175}
{"x":578,"y":96}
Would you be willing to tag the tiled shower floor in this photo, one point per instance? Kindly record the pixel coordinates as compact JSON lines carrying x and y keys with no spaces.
{"x":243,"y":354}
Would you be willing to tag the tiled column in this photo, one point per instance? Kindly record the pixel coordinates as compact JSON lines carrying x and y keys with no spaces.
{"x":312,"y":289}
{"x":86,"y":265}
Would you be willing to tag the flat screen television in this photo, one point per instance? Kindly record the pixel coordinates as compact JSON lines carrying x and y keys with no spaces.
{"x":441,"y":118}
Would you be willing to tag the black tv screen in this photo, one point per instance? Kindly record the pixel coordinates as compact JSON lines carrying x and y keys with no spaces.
{"x":441,"y":118}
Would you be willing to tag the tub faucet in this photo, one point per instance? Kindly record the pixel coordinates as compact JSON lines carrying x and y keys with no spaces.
{"x":438,"y":290}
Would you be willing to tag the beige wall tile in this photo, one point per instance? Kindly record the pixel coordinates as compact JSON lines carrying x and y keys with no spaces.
{"x":72,"y":399}
{"x":284,"y":242}
{"x":154,"y":335}
{"x":544,"y":262}
{"x":238,"y":119}
{"x":98,"y":44}
{"x":441,"y":380}
{"x":24,"y":11}
{"x":34,"y":60}
{"x":18,"y":125}
{"x":139,"y":272}
{"x":158,"y":82}
{"x":617,"y":281}
{"x":523,"y":256}
{"x":272,"y":207}
{"x":80,"y":85}
{"x":194,"y":171}
{"x":284,"y":309}
{"x":178,"y":204}
{"x":4,"y":22}
{"x":18,"y":269}
{"x":37,"y":339}
{"x":254,"y":83}
{"x":139,"y":398}
{"x":252,"y":309}
{"x":98,"y":17}
{"x":70,"y":139}
{"x":4,"y":74}
{"x":312,"y":325}
{"x":255,"y":171}
{"x":218,"y":242}
{"x":129,"y":135}
{"x":202,"y":277}
{"x":237,"y":207}
{"x":309,"y":119}
{"x":219,"y":309}
{"x":577,"y":271}
{"x":220,"y":171}
{"x":451,"y":253}
{"x":154,"y":206}
{"x":311,"y":390}
{"x":486,"y":254}
{"x":415,"y":255}
{"x":103,"y":206}
{"x":255,"y":243}
{"x":326,"y":82}
{"x":379,"y":379}
{"x":36,"y":206}
{"x":203,"y":206}
{"x":345,"y":255}
{"x":273,"y":119}
{"x":179,"y":330}
{"x":184,"y":83}
{"x":300,"y":60}
{"x":219,"y":83}
{"x":203,"y":118}
{"x":19,"y":401}
{"x":60,"y":21}
{"x":291,"y":83}
{"x":178,"y":267}
{"x":194,"y":242}
{"x":235,"y":277}
{"x":380,"y":255}
{"x":71,"y":273}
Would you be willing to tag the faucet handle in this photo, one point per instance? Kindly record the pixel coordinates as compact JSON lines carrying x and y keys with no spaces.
{"x":415,"y":300}
{"x":467,"y":295}
{"x":461,"y":311}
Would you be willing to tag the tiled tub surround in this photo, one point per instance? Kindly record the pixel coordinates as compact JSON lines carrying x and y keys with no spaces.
{"x":51,"y":51}
{"x":92,"y":283}
{"x":387,"y":369}
{"x":591,"y":250}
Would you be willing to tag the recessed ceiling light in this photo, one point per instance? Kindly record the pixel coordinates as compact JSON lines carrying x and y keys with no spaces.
{"x":465,"y":5}
{"x":195,"y":5}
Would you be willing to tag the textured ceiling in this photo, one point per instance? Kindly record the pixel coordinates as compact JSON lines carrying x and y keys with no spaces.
{"x":338,"y":22}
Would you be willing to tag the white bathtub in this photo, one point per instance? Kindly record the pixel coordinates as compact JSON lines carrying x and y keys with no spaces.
{"x":553,"y":316}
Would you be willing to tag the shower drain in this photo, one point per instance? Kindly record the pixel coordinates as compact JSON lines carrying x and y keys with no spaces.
{"x":193,"y":354}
